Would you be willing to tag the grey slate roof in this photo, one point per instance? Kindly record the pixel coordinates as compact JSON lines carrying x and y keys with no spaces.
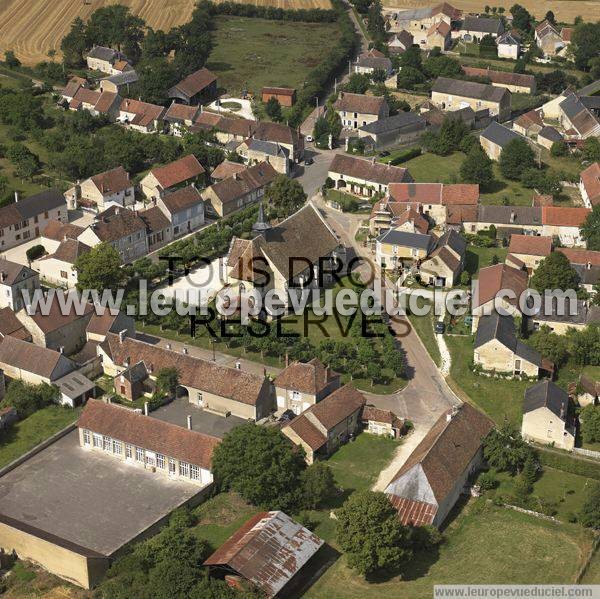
{"x":550,"y":133}
{"x":122,"y":78}
{"x":509,"y":38}
{"x":453,"y":240}
{"x":499,"y":134}
{"x":40,"y":202}
{"x":510,"y":215}
{"x":404,"y":238}
{"x":374,"y":62}
{"x":587,"y":276}
{"x":582,"y":313}
{"x":103,"y":53}
{"x":482,"y":24}
{"x":549,"y":395}
{"x":267,"y":147}
{"x":394,"y":123}
{"x":469,"y":89}
{"x":502,"y":328}
{"x":591,"y":102}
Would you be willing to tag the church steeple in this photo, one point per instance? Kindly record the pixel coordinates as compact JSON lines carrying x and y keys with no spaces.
{"x":261,"y":225}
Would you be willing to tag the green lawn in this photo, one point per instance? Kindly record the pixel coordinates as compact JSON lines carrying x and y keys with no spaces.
{"x":31,"y":431}
{"x":592,"y":574}
{"x":253,"y":53}
{"x":497,"y":398}
{"x":423,"y":325}
{"x":478,"y":258}
{"x":484,"y":545}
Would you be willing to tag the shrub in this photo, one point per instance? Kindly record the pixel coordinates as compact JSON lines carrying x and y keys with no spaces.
{"x":487,"y":480}
{"x":406,"y":156}
{"x":35,"y":252}
{"x":465,"y":278}
{"x":568,"y":464}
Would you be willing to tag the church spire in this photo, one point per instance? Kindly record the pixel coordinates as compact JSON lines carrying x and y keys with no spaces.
{"x":261,"y":225}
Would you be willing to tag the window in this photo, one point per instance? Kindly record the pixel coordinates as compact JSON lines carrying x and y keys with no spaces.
{"x":150,"y":461}
{"x":199,"y":398}
{"x":107,"y":443}
{"x":46,"y":214}
{"x":160,"y":461}
{"x":128,"y":452}
{"x":64,"y":274}
{"x":171,"y":466}
{"x":97,"y":440}
{"x":184,"y":469}
{"x":139,"y":454}
{"x":86,"y":437}
{"x":194,"y":472}
{"x":35,"y":219}
{"x":26,"y":234}
{"x":296,"y":396}
{"x":117,"y":447}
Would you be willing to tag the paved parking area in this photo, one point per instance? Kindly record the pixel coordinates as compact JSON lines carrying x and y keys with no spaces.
{"x":88,"y":498}
{"x":178,"y":410}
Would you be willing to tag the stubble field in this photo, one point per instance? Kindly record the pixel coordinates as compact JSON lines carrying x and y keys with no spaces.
{"x":31,"y":28}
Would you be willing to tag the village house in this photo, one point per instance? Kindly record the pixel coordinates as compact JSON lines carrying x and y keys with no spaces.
{"x":254,"y":151}
{"x":279,"y":547}
{"x":546,"y":416}
{"x":11,"y":326}
{"x":159,"y":230}
{"x":396,"y":215}
{"x":73,"y":86}
{"x":55,"y":232}
{"x":587,"y":265}
{"x":473,"y":29}
{"x":453,"y":94}
{"x":297,"y":253}
{"x":106,"y":60}
{"x":507,"y":220}
{"x":365,"y":177}
{"x":398,"y":249}
{"x":530,"y":249}
{"x":418,"y":21}
{"x":140,"y":116}
{"x":498,"y":350}
{"x":446,"y":262}
{"x":382,"y":422}
{"x":509,"y":45}
{"x":301,"y":385}
{"x":495,"y":138}
{"x":120,"y":227}
{"x":492,"y":280}
{"x":58,"y":268}
{"x":238,"y":191}
{"x":401,"y":128}
{"x":96,"y":102}
{"x":434,"y":199}
{"x":24,"y":219}
{"x":180,"y":117}
{"x":358,"y":110}
{"x":184,"y":209}
{"x":589,"y":185}
{"x":216,"y":389}
{"x":529,"y":124}
{"x":548,"y":39}
{"x":430,"y":482}
{"x":15,"y":279}
{"x":400,"y":42}
{"x":145,"y":442}
{"x":586,"y":390}
{"x":326,"y":425}
{"x":286,"y":96}
{"x":51,"y":328}
{"x":564,"y":223}
{"x":514,"y":82}
{"x":226,"y":169}
{"x":21,"y":360}
{"x":373,"y":60}
{"x":438,"y":36}
{"x":184,"y":171}
{"x":548,"y":136}
{"x":578,"y":121}
{"x":196,"y":88}
{"x":113,"y":187}
{"x":119,"y":82}
{"x":559,"y":318}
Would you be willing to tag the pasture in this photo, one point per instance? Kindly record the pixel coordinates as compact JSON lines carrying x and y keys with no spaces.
{"x":564,"y":10}
{"x":31,"y":28}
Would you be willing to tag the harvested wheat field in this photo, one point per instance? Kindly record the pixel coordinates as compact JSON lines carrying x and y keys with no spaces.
{"x":33,"y":27}
{"x":565,"y":10}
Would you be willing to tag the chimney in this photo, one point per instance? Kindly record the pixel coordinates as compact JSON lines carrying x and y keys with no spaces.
{"x":287,"y":359}
{"x":513,"y":217}
{"x":122,"y":335}
{"x":126,"y":362}
{"x":3,"y":276}
{"x":588,"y":265}
{"x":168,"y":346}
{"x":61,"y":349}
{"x":449,"y":416}
{"x":16,"y":196}
{"x":145,"y":408}
{"x":184,"y":350}
{"x":189,"y":422}
{"x":238,"y":365}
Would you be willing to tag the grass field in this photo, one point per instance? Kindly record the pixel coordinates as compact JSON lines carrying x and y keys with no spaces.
{"x":28,"y":433}
{"x":253,"y":53}
{"x":483,"y":545}
{"x":565,"y":10}
{"x":423,"y":326}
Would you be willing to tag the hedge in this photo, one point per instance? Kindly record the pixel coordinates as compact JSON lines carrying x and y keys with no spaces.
{"x":405,"y":156}
{"x":314,"y":15}
{"x":568,"y":464}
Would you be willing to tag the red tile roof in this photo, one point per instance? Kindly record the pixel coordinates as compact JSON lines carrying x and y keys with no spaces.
{"x":359,"y":103}
{"x":125,"y":425}
{"x":564,"y":216}
{"x":227,"y":169}
{"x":196,"y":82}
{"x":436,"y":193}
{"x":181,"y":112}
{"x":113,"y":181}
{"x":308,"y":432}
{"x":580,"y":256}
{"x":503,"y":77}
{"x":532,"y":245}
{"x":420,"y":223}
{"x":279,"y":91}
{"x":310,"y":377}
{"x":368,"y":170}
{"x":144,"y":113}
{"x":177,"y":172}
{"x":59,"y":231}
{"x":590,"y":178}
{"x":181,"y":199}
{"x":413,"y":513}
{"x":499,"y":276}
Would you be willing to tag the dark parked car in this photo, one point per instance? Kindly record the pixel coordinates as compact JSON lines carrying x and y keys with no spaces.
{"x":440,"y":327}
{"x":287,"y":416}
{"x":309,"y":161}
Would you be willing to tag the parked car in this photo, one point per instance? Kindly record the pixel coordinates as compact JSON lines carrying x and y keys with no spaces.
{"x":309,"y":138}
{"x":287,"y":416}
{"x":440,"y":327}
{"x":308,"y":161}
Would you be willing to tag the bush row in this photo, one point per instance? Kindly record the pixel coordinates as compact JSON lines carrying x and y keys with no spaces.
{"x":313,"y":15}
{"x":406,"y":156}
{"x":569,"y":464}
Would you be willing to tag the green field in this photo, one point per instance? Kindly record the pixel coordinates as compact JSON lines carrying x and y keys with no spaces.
{"x":253,"y":53}
{"x":26,"y":434}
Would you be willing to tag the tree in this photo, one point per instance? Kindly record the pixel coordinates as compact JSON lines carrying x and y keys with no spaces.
{"x":167,"y":380}
{"x":477,"y":167}
{"x":591,"y":149}
{"x":376,"y":22}
{"x":529,"y":473}
{"x":522,"y":19}
{"x":545,"y":181}
{"x":549,"y":16}
{"x":156,"y":77}
{"x":26,"y":162}
{"x":590,"y":510}
{"x":318,"y":485}
{"x":589,"y":419}
{"x":516,"y":157}
{"x":550,"y":345}
{"x":27,"y":399}
{"x":370,"y":533}
{"x":411,"y":58}
{"x":590,"y":230}
{"x":35,"y":252}
{"x":560,"y":148}
{"x":74,"y":44}
{"x":99,"y":269}
{"x":585,"y":44}
{"x":273,"y":109}
{"x":358,"y":83}
{"x":465,"y":278}
{"x":487,"y":46}
{"x":555,"y":272}
{"x":408,"y":77}
{"x":442,"y":66}
{"x":284,"y":195}
{"x":12,"y":62}
{"x":261,"y":465}
{"x":505,"y":450}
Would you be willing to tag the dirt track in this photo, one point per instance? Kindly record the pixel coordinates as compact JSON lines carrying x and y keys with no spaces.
{"x":33,"y":27}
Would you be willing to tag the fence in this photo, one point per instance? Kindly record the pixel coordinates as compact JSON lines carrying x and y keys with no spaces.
{"x":587,"y":452}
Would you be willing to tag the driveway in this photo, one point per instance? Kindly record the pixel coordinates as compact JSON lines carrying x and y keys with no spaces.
{"x":245,"y":111}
